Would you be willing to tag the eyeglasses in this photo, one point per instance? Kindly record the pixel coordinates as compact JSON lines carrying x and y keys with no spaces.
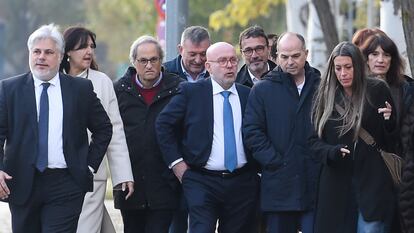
{"x":258,"y":49}
{"x":222,"y":61}
{"x":144,"y":61}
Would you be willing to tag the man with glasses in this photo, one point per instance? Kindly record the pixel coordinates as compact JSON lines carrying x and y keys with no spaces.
{"x":200,"y":137}
{"x":276,"y":127}
{"x":254,"y":48}
{"x":142,"y":93}
{"x":190,"y":63}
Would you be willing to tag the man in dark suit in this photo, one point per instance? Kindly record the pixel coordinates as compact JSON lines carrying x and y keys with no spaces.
{"x":46,"y":161}
{"x":190,"y":64}
{"x":254,"y":48}
{"x":199,"y":133}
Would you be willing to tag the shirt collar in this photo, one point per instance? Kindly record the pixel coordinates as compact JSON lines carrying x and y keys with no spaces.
{"x":217,"y":89}
{"x":142,"y":86}
{"x":200,"y":75}
{"x":83,"y":74}
{"x":54,"y":81}
{"x":254,"y":78}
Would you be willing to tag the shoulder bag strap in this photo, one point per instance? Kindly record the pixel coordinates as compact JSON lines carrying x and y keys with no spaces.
{"x":363,"y":134}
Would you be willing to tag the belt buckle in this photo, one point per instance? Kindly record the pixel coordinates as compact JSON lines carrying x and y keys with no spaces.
{"x":226,"y":174}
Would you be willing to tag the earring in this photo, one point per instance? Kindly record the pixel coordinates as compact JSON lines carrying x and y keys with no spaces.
{"x":68,"y":59}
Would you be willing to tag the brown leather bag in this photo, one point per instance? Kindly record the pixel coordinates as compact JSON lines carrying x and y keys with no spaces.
{"x":393,"y":162}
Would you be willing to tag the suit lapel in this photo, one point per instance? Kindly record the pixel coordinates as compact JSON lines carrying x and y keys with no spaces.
{"x":243,"y":98}
{"x":27,"y":101}
{"x":207,"y":95}
{"x":67,"y":102}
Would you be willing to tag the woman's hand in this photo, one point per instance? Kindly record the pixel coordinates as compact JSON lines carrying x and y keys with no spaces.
{"x":344,"y":151}
{"x":386,"y":111}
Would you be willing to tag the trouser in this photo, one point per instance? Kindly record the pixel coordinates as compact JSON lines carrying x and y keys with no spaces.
{"x":230,"y":200}
{"x":53,"y":207}
{"x":290,"y":221}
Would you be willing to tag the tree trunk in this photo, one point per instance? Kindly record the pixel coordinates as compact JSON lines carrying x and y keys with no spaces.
{"x":391,"y":23}
{"x":327,"y":21}
{"x":407,"y":8}
{"x":296,"y":16}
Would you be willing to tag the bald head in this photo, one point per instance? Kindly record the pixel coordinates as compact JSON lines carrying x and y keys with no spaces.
{"x":216,"y":50}
{"x":292,"y":54}
{"x":222,"y":63}
{"x":291,"y":38}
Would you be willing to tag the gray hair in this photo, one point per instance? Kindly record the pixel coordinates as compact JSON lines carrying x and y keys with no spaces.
{"x":133,"y":53}
{"x":50,"y":31}
{"x":196,"y":34}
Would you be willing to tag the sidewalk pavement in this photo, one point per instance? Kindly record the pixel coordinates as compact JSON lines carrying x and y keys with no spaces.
{"x":5,"y":224}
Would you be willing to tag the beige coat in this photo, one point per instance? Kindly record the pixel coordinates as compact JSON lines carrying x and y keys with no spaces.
{"x":117,"y":157}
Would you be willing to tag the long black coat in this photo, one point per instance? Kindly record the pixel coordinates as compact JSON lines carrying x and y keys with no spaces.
{"x":360,"y":180}
{"x":156,"y":186}
{"x":276,"y":128}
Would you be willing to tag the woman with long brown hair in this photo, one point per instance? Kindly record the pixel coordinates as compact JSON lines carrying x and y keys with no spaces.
{"x":355,"y":189}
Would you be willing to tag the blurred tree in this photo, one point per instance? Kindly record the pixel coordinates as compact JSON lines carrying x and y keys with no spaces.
{"x":240,"y":12}
{"x":236,"y":15}
{"x":22,"y":17}
{"x":407,"y":8}
{"x":118,"y":23}
{"x":327,"y":21}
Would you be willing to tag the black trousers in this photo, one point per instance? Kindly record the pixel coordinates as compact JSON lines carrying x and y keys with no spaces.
{"x":230,"y":200}
{"x":146,"y":220}
{"x":54,"y":206}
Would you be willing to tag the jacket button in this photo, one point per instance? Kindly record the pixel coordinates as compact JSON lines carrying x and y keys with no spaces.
{"x":122,"y":85}
{"x":159,"y":97}
{"x":170,"y":92}
{"x":129,"y":88}
{"x":143,"y":206}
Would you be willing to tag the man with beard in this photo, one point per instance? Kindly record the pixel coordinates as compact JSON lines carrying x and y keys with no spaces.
{"x":190,"y":64}
{"x":46,"y":158}
{"x":199,"y":133}
{"x":254,"y":48}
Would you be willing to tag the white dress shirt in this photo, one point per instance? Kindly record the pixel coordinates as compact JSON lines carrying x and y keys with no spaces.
{"x":216,"y":159}
{"x":56,"y":159}
{"x":300,"y":86}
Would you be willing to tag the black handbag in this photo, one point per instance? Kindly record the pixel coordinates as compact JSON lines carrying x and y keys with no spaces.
{"x":393,"y":162}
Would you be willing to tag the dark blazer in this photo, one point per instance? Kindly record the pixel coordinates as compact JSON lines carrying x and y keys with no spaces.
{"x":174,"y":66}
{"x":243,"y":76}
{"x":189,"y":116}
{"x":82,"y":110}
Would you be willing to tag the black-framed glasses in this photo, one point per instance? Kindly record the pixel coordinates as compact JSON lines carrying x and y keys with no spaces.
{"x":258,"y":49}
{"x":144,"y":61}
{"x":222,"y":61}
